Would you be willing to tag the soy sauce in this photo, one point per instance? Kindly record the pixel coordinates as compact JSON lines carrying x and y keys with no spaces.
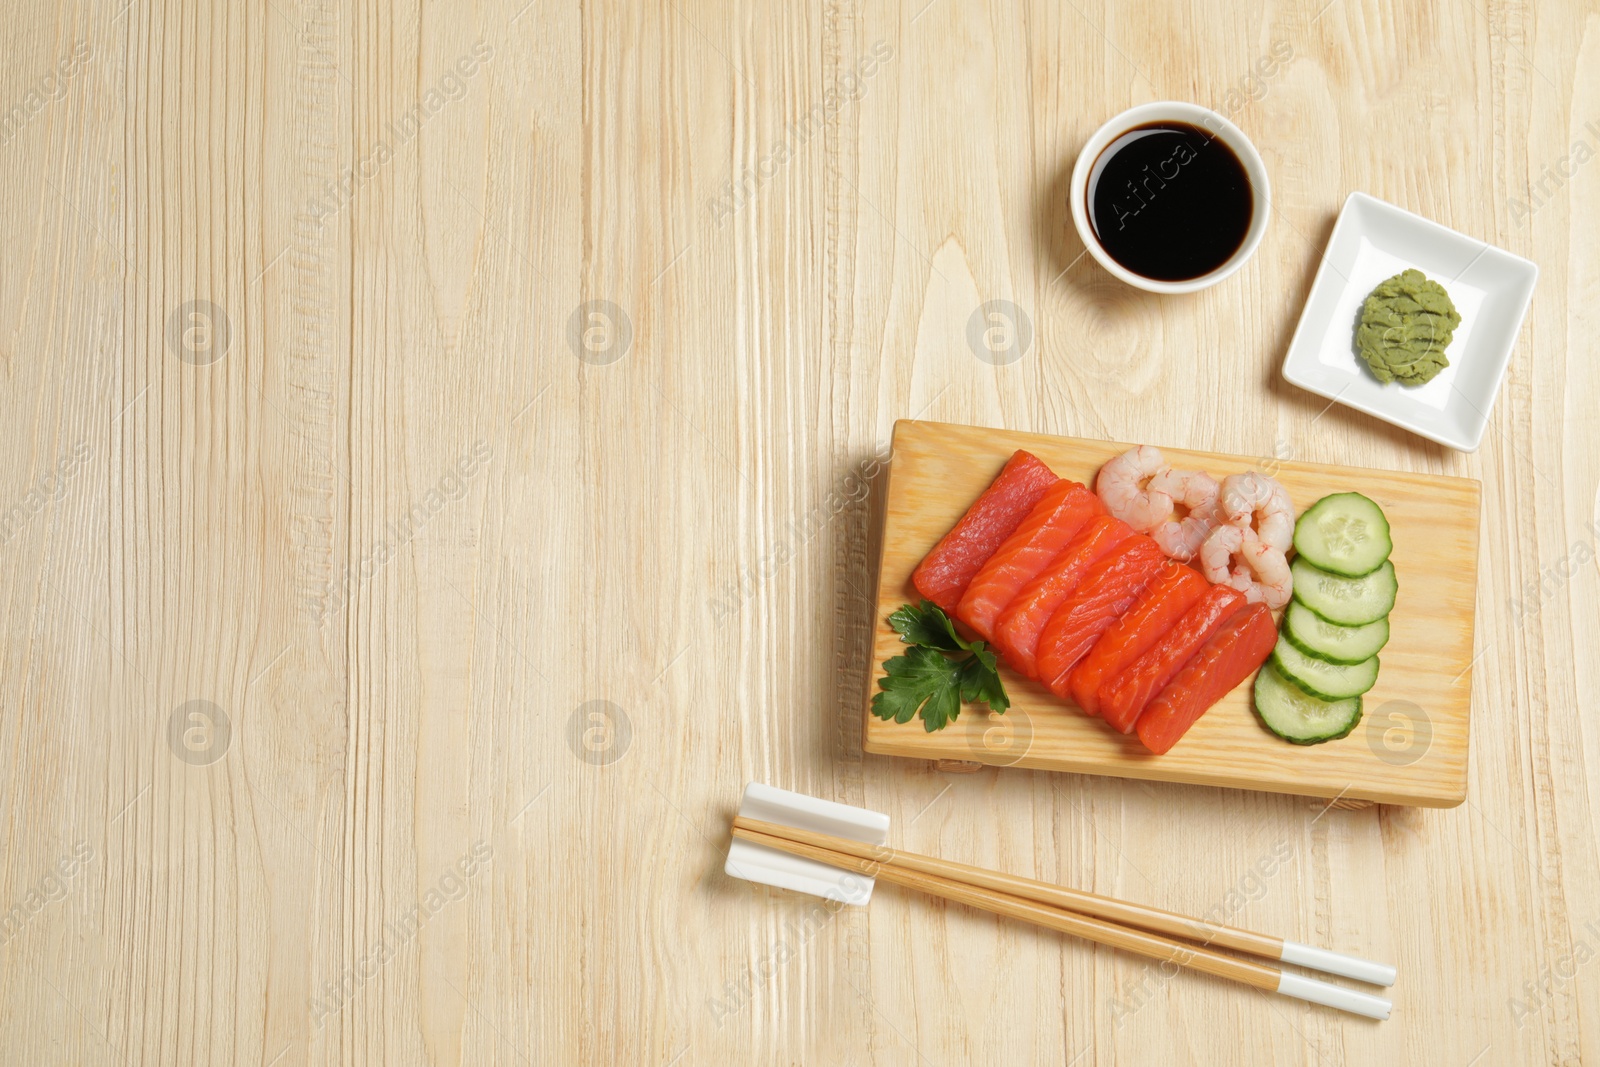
{"x":1169,"y":201}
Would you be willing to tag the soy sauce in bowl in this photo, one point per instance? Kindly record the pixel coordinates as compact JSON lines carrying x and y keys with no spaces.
{"x":1169,"y":201}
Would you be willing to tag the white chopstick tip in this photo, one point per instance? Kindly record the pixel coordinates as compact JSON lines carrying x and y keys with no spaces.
{"x":1320,"y":959}
{"x":1333,"y":996}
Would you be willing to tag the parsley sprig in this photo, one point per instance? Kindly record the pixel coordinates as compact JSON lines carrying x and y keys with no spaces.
{"x":938,"y":672}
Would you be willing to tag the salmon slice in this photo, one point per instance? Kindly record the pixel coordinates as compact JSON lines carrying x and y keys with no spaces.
{"x":944,"y":573}
{"x":1017,"y":629}
{"x":1058,"y":515}
{"x":1228,"y":657}
{"x":1174,"y":591}
{"x":1124,"y":696}
{"x":1108,"y":589}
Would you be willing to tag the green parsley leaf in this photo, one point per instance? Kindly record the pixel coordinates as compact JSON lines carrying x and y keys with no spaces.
{"x":927,"y":625}
{"x":930,"y":680}
{"x":912,"y":680}
{"x":980,"y":681}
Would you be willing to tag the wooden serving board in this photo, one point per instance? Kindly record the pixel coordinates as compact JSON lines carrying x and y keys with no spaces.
{"x":1409,"y":748}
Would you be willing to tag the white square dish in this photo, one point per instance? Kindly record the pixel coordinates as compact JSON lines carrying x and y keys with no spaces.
{"x":1491,"y":289}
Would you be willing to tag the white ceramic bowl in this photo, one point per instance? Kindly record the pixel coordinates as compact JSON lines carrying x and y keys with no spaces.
{"x":1195,"y":115}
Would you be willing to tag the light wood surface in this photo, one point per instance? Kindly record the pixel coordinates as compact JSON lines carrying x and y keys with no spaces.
{"x":1409,"y":748}
{"x":677,"y":524}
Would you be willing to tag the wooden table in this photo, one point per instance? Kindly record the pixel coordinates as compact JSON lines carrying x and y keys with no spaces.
{"x":434,"y":486}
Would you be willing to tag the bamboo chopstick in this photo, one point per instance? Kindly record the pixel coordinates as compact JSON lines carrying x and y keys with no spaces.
{"x":1092,"y":904}
{"x":1198,"y":958}
{"x":1099,"y":931}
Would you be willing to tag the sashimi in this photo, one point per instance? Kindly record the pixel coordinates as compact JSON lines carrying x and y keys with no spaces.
{"x":1017,"y":629}
{"x":1125,"y":695}
{"x":1107,"y":590}
{"x":944,"y":573}
{"x":1058,"y":515}
{"x":1227,"y":658}
{"x":1174,"y":591}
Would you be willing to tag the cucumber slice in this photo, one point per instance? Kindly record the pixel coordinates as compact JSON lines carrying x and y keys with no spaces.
{"x":1345,"y":533}
{"x":1330,"y":681}
{"x":1346,"y":601}
{"x":1316,"y":636}
{"x":1297,"y":716}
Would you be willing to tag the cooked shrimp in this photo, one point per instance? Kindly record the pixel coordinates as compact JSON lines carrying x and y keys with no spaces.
{"x":1194,"y":513}
{"x":1126,"y":485}
{"x":1236,"y":557}
{"x":1258,"y":503}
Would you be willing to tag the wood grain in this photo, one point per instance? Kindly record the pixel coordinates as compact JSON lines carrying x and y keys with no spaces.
{"x":659,"y":584}
{"x":1411,"y":745}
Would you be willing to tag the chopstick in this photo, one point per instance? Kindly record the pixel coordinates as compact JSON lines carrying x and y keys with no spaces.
{"x":1109,"y":908}
{"x":1198,"y":958}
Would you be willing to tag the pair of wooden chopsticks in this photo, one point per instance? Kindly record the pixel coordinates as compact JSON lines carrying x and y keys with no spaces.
{"x":1103,"y":920}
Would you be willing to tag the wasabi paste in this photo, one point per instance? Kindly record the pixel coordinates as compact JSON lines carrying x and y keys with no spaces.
{"x":1406,"y":324}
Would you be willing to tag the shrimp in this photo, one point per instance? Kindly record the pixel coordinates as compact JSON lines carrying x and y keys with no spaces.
{"x":1194,"y":498}
{"x":1126,"y":485}
{"x":1258,"y":503}
{"x":1236,"y":557}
